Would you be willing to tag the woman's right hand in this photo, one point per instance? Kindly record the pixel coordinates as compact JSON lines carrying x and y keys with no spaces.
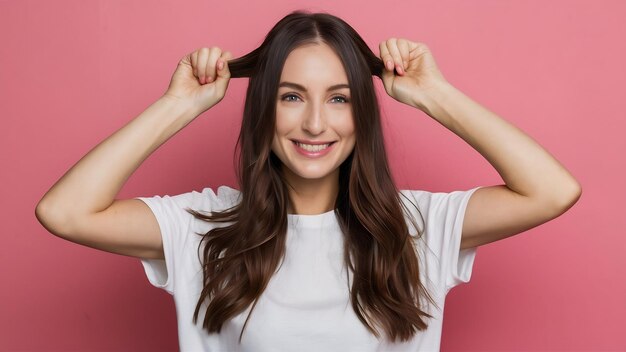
{"x":201,"y":78}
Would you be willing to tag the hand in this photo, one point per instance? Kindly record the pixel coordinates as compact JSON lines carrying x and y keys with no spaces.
{"x":201,"y":78}
{"x":417,"y":71}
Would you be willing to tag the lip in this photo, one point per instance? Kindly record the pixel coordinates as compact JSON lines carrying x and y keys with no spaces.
{"x":313,"y":154}
{"x":306,"y":141}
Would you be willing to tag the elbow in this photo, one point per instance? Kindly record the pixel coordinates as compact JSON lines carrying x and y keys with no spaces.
{"x":569,"y":197}
{"x":40,"y":212}
{"x":43,"y":215}
{"x":51,"y":218}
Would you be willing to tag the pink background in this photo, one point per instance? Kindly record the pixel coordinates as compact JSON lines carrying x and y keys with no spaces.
{"x":73,"y":72}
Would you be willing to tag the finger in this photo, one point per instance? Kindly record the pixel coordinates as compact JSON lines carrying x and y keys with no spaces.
{"x":185,"y":60}
{"x":222,"y":65}
{"x":203,"y":59}
{"x":387,"y":75}
{"x":223,"y":72}
{"x":403,"y":47}
{"x":194,"y":63}
{"x":392,"y":47}
{"x":384,"y":55}
{"x":212,"y":63}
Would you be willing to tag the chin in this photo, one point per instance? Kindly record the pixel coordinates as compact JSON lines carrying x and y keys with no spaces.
{"x":311,"y":174}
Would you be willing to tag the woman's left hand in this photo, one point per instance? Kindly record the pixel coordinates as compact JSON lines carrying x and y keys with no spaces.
{"x":417,"y":72}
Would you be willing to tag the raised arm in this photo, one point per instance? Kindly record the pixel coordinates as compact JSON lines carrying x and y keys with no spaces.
{"x":538,"y":188}
{"x":80,"y":206}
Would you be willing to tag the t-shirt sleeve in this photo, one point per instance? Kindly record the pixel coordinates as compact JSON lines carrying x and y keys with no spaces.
{"x":180,"y":231}
{"x":444,"y":214}
{"x":175,"y":225}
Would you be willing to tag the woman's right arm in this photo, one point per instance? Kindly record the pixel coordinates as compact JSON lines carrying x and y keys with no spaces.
{"x":81,"y":206}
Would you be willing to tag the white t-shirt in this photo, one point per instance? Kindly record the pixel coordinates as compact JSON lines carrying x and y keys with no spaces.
{"x":306,"y":305}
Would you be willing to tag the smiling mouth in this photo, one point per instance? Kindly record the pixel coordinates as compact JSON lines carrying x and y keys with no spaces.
{"x":313,"y":148}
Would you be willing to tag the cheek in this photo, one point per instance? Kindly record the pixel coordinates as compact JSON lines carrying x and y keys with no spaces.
{"x":280,"y":131}
{"x":345,"y":127}
{"x":284,"y":122}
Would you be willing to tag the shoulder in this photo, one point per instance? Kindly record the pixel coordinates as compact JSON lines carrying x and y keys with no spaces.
{"x":428,"y":196}
{"x":205,"y":200}
{"x":426,"y":199}
{"x":435,"y":206}
{"x":208,"y":199}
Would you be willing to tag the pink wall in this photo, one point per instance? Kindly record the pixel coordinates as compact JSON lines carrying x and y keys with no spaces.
{"x":73,"y":72}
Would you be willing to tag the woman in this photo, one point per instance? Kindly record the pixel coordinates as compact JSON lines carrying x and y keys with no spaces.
{"x":318,"y":250}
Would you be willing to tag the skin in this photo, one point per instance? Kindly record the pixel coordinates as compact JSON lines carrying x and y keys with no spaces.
{"x":538,"y":188}
{"x":81,"y":205}
{"x":314,"y":114}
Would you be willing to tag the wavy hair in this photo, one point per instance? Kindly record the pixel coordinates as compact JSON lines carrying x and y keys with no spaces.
{"x":239,"y":259}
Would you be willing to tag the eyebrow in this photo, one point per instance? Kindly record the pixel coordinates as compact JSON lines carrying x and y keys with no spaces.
{"x":302,"y":88}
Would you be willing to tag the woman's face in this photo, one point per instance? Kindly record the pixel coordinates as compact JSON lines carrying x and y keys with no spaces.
{"x":313,"y":107}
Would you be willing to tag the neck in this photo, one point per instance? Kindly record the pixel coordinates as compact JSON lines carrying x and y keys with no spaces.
{"x":313,"y":196}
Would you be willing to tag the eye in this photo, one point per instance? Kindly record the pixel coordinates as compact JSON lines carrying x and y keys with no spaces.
{"x":341,"y":98}
{"x":345,"y":100}
{"x":284,"y":97}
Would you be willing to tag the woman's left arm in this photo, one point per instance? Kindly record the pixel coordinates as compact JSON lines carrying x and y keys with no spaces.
{"x":538,"y":188}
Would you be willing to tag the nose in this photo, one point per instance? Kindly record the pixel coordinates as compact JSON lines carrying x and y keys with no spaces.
{"x":315,"y":119}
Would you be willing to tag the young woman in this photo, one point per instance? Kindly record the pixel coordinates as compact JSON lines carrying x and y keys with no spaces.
{"x":318,"y":250}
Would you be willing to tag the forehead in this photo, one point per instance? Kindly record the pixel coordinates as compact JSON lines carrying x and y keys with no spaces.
{"x":314,"y":64}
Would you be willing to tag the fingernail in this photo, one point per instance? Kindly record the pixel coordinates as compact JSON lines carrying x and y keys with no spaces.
{"x":389,"y":65}
{"x":399,"y":69}
{"x":220,"y":65}
{"x":210,"y":79}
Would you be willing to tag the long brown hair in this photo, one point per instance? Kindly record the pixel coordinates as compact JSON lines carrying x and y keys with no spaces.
{"x":239,"y":259}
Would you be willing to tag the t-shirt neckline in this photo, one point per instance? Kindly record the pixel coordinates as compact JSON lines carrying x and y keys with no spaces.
{"x":313,"y":220}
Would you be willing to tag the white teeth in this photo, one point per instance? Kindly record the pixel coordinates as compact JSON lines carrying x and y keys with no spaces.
{"x":313,"y":148}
